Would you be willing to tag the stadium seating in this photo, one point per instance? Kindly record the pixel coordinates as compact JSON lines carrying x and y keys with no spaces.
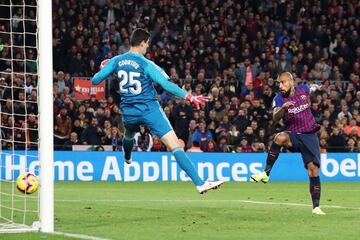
{"x":229,"y":51}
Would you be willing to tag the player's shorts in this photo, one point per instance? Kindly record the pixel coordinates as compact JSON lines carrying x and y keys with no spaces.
{"x":155,"y":119}
{"x":307,"y":145}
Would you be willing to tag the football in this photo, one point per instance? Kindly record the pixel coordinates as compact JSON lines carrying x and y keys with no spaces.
{"x":27,"y":183}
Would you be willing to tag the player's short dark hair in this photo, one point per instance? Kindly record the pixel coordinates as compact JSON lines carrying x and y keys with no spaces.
{"x":195,"y":143}
{"x":139,"y":35}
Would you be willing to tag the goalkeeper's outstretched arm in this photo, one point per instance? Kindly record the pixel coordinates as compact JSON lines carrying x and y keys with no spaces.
{"x":159,"y":76}
{"x":107,"y":69}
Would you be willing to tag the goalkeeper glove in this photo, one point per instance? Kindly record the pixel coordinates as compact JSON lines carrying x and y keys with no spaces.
{"x":197,"y":101}
{"x":103,"y":63}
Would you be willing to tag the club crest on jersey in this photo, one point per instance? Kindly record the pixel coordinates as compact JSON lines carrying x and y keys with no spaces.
{"x":303,"y":97}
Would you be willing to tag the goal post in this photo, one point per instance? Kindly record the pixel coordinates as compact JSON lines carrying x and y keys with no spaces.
{"x":46,"y":142}
{"x":26,"y":114}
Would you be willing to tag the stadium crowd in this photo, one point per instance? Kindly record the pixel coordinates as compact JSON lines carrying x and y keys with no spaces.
{"x":231,"y":51}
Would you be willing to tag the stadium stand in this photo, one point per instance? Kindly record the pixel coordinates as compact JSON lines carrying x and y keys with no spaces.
{"x":230,"y":50}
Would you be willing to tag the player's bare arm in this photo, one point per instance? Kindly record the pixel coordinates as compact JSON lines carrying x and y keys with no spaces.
{"x":279,"y":111}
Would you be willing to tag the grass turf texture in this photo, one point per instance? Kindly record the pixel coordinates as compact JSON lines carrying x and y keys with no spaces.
{"x":173,"y":210}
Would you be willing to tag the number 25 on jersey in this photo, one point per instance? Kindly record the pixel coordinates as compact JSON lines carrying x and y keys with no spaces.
{"x":134,"y":85}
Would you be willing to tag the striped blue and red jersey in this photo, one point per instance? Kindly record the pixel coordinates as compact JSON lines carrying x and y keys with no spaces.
{"x":298,"y":118}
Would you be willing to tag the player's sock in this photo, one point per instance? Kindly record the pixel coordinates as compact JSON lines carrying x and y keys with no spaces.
{"x":315,"y":190}
{"x":187,"y":165}
{"x":128,"y":144}
{"x":271,"y":157}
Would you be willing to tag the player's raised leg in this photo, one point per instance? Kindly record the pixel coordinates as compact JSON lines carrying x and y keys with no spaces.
{"x":128,"y":144}
{"x":160,"y":126}
{"x":281,"y":139}
{"x":172,"y":142}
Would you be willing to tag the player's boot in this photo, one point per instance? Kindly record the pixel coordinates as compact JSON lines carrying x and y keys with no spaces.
{"x":260,"y":176}
{"x":127,"y":157}
{"x":318,"y":211}
{"x":208,"y":186}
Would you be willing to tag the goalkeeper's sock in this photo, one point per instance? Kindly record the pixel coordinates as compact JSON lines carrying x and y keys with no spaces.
{"x":128,"y":144}
{"x":271,"y":157}
{"x":188,"y":166}
{"x":315,"y":190}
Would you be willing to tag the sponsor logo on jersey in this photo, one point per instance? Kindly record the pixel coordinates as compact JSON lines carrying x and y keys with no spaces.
{"x":298,"y":109}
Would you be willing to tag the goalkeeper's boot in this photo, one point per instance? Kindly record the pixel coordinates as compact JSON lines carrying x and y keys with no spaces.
{"x":127,"y":157}
{"x":318,"y":211}
{"x":209,"y":186}
{"x":260,"y":176}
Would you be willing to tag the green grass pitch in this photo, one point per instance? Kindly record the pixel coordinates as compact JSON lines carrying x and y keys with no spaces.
{"x":173,"y":210}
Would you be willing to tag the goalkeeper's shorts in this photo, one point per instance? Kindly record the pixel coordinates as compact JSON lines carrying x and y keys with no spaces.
{"x":156,"y":120}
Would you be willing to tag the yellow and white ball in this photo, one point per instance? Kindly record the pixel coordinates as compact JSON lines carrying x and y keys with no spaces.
{"x":27,"y":183}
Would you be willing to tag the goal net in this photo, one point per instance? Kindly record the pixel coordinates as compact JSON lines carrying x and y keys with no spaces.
{"x":20,"y":108}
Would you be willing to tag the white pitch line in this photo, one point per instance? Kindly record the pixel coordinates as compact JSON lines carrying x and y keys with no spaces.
{"x":345,"y":190}
{"x":209,"y":200}
{"x":78,"y":236}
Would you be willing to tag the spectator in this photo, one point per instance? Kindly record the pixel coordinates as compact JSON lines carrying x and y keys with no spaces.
{"x":283,"y":65}
{"x":182,"y":115}
{"x":233,"y":136}
{"x":211,"y":146}
{"x":263,"y":138}
{"x":241,"y":121}
{"x":223,"y":144}
{"x":316,"y":112}
{"x":344,"y":112}
{"x":99,"y":148}
{"x":114,"y":138}
{"x":60,"y":80}
{"x":323,"y":145}
{"x":336,"y":141}
{"x":143,"y":140}
{"x":92,"y":134}
{"x":257,"y":146}
{"x":202,"y":135}
{"x":249,"y":134}
{"x":212,"y":118}
{"x":62,"y":130}
{"x":157,"y":145}
{"x":72,"y":141}
{"x":351,"y":143}
{"x":352,"y":129}
{"x":222,"y":59}
{"x":195,"y":147}
{"x":245,"y":146}
{"x":190,"y":134}
{"x":125,"y":47}
{"x":246,"y":74}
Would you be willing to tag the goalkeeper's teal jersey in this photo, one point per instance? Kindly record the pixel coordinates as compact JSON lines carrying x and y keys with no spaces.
{"x":135,"y":74}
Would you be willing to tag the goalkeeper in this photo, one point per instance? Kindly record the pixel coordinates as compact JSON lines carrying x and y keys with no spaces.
{"x":139,"y":104}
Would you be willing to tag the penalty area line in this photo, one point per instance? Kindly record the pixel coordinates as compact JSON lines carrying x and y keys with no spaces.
{"x":210,"y":201}
{"x":78,"y":236}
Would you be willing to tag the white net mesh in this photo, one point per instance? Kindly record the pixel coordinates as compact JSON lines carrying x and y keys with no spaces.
{"x":19,"y":112}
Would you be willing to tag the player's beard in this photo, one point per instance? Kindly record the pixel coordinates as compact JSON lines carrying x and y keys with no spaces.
{"x":287,"y":93}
